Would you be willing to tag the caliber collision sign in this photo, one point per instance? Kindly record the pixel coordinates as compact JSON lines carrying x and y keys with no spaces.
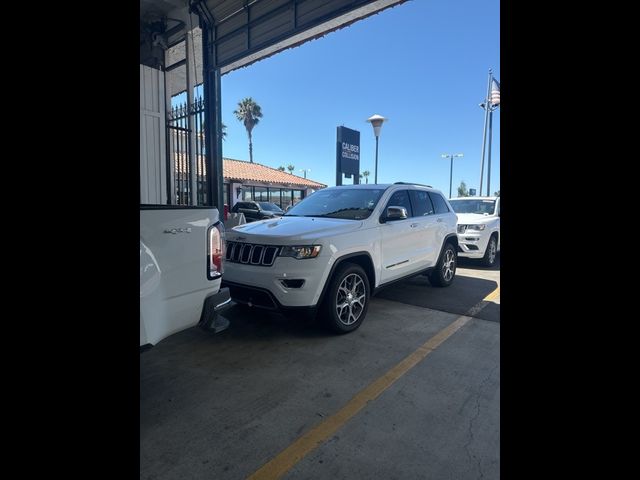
{"x":348,"y":152}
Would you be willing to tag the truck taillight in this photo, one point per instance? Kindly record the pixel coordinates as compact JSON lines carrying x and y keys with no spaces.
{"x":215,"y":251}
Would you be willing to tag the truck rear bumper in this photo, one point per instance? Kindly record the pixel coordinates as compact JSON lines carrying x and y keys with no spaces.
{"x":211,"y":319}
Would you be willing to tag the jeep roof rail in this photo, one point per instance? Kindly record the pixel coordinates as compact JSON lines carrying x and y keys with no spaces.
{"x":412,"y":183}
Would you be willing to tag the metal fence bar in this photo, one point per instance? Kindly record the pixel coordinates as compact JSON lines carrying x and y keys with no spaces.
{"x":182,"y":139}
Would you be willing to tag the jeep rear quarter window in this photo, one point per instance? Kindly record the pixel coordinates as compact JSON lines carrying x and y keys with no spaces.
{"x":438,"y":203}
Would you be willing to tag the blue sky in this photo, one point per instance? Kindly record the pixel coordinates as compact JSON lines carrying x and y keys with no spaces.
{"x":422,"y":64}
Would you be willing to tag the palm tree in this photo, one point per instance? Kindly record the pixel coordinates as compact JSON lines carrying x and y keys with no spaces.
{"x":222,"y":125}
{"x":366,"y":174}
{"x":281,"y":168}
{"x":291,"y":168}
{"x":249,"y":113}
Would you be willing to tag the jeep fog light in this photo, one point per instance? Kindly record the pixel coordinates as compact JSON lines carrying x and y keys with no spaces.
{"x":301,"y":251}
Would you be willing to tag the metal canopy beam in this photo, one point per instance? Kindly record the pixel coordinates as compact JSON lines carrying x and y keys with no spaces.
{"x":249,"y":30}
{"x":261,"y":28}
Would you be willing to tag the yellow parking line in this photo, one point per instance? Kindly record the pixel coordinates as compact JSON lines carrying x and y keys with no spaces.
{"x":473,"y":311}
{"x":493,"y":295}
{"x":308,"y":442}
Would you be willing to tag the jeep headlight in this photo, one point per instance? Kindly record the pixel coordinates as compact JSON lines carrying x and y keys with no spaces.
{"x":477,"y":228}
{"x":301,"y":251}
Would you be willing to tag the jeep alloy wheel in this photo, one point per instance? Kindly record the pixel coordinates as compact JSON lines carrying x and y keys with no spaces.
{"x":350,"y":299}
{"x":491,"y":252}
{"x":347,"y":299}
{"x":444,"y":272}
{"x":448,"y":265}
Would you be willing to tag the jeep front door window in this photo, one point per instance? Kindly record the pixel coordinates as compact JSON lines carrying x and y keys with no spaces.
{"x":400,"y":199}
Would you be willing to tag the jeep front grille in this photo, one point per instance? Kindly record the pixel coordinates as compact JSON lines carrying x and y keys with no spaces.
{"x":462,"y":228}
{"x":251,"y":254}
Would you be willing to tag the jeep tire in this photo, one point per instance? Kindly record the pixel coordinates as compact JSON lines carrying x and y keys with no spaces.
{"x":445,"y":271}
{"x":491,"y":252}
{"x":346,"y":301}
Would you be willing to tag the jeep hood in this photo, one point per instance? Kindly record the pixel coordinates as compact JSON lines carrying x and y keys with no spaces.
{"x":474,"y":218}
{"x":287,"y":230}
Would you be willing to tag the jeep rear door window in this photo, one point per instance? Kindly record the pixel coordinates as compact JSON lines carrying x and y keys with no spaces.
{"x":350,"y":204}
{"x":421,"y":203}
{"x":438,"y":203}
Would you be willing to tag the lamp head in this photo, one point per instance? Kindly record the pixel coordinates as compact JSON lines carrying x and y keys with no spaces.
{"x":376,"y":122}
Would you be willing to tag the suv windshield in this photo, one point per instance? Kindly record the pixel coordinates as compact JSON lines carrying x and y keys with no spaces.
{"x":271,"y":207}
{"x":473,"y":206}
{"x":351,"y":204}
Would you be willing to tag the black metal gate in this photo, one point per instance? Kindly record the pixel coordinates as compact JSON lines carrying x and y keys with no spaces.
{"x":186,"y":145}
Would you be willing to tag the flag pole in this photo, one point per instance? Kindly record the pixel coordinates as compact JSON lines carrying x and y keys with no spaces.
{"x":489,"y":154}
{"x":484,"y":129}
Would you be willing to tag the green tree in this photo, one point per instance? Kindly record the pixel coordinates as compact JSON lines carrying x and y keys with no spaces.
{"x":366,"y":174}
{"x":249,"y":113}
{"x":281,"y":168}
{"x":496,"y":194}
{"x":291,"y":168}
{"x":223,"y":127}
{"x":462,"y":190}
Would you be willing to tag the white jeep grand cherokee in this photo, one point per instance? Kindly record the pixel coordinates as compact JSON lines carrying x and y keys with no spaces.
{"x":340,"y":245}
{"x":478,"y":227}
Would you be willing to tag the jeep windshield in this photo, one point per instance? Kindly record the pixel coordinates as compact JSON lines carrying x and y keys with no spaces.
{"x":473,"y":206}
{"x":350,"y":204}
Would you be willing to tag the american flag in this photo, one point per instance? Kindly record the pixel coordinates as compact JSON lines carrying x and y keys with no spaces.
{"x":495,"y":92}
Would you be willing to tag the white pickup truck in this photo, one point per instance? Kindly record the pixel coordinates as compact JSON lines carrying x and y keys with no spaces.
{"x":181,"y":255}
{"x":181,"y":238}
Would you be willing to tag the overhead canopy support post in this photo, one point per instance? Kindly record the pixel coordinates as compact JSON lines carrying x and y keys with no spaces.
{"x":212,"y":107}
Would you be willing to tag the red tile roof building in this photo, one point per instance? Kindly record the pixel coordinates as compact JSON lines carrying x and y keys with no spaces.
{"x":253,"y":181}
{"x":246,"y":172}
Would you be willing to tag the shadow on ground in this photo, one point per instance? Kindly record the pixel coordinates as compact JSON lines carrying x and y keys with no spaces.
{"x":474,"y":263}
{"x":464,"y":293}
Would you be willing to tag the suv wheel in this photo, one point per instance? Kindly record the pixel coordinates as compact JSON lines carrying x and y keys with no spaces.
{"x":347,"y":298}
{"x":445,"y":271}
{"x":491,"y":252}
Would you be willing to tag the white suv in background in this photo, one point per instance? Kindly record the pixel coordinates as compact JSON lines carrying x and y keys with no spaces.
{"x":333,"y":250}
{"x":478,"y":227}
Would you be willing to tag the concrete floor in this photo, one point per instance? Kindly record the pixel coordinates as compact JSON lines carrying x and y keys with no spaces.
{"x":222,"y":406}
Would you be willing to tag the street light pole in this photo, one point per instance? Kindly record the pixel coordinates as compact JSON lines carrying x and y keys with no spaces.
{"x":451,"y":155}
{"x":450,"y":176}
{"x":376,"y":174}
{"x":305,"y":170}
{"x":376,"y":122}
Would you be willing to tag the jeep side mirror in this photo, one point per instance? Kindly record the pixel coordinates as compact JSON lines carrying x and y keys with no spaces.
{"x":395,"y":213}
